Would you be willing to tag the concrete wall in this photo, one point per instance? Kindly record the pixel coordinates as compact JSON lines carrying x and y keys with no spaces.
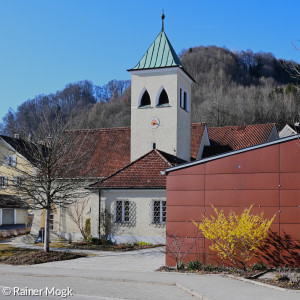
{"x":141,"y":226}
{"x":173,"y":131}
{"x":267,"y":177}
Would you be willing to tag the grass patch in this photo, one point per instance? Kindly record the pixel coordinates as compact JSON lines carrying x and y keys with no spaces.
{"x":106,"y":246}
{"x":23,"y":256}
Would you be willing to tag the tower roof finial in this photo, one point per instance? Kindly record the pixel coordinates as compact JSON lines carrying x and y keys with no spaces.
{"x":162,"y":20}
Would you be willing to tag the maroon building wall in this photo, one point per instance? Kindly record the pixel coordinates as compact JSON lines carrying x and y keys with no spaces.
{"x":267,"y":177}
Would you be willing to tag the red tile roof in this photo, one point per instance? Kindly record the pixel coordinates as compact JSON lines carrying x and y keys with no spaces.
{"x":238,"y":137}
{"x":197,"y":130}
{"x":142,"y":173}
{"x":107,"y":150}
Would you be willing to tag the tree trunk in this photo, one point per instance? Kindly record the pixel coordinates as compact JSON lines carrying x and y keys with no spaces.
{"x":47,"y":230}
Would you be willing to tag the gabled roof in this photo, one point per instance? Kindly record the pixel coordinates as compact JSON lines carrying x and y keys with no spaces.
{"x":288,"y":130}
{"x":9,"y":201}
{"x":107,"y":149}
{"x":141,"y":173}
{"x":238,"y":137}
{"x":159,"y":55}
{"x":197,"y":130}
{"x":24,"y":148}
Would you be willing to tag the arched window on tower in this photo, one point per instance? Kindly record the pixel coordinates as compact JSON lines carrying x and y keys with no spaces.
{"x":145,"y":100}
{"x":163,"y":98}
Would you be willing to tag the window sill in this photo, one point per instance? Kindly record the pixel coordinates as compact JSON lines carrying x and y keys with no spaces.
{"x":145,"y":107}
{"x":163,"y":105}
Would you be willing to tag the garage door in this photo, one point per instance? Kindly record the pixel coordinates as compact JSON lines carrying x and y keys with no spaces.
{"x":8,"y":216}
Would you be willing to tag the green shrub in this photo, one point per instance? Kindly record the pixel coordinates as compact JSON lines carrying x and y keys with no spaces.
{"x":87,"y":228}
{"x":259,"y":267}
{"x":208,"y":268}
{"x":180,"y":266}
{"x":194,"y":265}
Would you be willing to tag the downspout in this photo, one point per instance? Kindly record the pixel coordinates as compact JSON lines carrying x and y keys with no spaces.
{"x":99,"y":216}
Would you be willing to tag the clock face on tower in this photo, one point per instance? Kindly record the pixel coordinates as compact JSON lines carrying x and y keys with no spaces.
{"x":154,"y":122}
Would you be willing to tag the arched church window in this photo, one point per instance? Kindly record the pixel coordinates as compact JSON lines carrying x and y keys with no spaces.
{"x":163,"y":98}
{"x":145,"y":101}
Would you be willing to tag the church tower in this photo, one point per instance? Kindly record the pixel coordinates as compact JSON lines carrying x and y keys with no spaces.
{"x":160,"y":102}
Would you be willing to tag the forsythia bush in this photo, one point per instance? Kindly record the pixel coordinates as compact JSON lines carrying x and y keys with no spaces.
{"x":235,"y":237}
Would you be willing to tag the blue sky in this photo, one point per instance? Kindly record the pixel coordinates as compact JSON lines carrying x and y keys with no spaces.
{"x":48,"y":44}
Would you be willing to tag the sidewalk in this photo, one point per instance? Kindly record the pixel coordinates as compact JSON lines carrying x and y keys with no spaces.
{"x":131,"y":275}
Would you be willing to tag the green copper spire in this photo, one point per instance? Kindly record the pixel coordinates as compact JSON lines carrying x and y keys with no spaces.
{"x":160,"y":54}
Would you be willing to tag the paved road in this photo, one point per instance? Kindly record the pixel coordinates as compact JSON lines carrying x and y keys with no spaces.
{"x":129,"y":275}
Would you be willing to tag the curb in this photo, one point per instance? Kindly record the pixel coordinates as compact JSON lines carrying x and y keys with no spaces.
{"x":260,"y":283}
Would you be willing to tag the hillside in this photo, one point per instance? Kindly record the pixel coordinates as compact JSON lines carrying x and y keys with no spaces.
{"x":244,"y":87}
{"x":231,"y":88}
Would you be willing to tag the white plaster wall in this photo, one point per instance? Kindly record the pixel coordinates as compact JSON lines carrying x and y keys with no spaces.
{"x":184,"y":120}
{"x":204,"y":142}
{"x":20,"y":216}
{"x":35,"y":227}
{"x":140,"y":227}
{"x":274,"y":135}
{"x":174,"y":129}
{"x":63,"y":225}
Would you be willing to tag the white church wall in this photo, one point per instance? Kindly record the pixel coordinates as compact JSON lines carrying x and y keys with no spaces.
{"x":140,"y":226}
{"x":173,"y":133}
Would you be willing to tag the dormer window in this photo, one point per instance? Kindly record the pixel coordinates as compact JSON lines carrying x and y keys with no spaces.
{"x":183,"y":98}
{"x":145,"y":101}
{"x":11,"y":161}
{"x":163,"y":99}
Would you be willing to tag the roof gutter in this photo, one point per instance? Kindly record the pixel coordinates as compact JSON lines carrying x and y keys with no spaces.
{"x":202,"y":161}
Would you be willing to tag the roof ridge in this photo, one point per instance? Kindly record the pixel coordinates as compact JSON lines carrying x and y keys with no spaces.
{"x":162,"y":156}
{"x":199,"y":123}
{"x":98,"y":129}
{"x":230,"y":126}
{"x":125,"y":167}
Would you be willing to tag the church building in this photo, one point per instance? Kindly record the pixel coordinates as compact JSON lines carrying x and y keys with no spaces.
{"x":160,"y":138}
{"x":125,"y":171}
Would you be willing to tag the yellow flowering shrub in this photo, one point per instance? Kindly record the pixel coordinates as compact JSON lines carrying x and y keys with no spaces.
{"x":235,"y":237}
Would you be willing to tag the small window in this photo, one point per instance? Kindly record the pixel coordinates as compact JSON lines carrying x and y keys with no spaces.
{"x":3,"y":181}
{"x":163,"y":98}
{"x":122,"y":211}
{"x":159,"y":211}
{"x":183,"y":98}
{"x":11,"y":161}
{"x":18,"y":181}
{"x":145,"y":101}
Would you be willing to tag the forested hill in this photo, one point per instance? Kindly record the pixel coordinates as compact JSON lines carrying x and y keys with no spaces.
{"x":241,"y":87}
{"x":231,"y":88}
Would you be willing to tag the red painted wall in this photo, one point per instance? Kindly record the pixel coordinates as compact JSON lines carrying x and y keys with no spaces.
{"x":267,"y":177}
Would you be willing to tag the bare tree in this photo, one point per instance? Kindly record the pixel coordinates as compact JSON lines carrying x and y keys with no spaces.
{"x":48,"y":165}
{"x":77,"y":214}
{"x":177,"y":248}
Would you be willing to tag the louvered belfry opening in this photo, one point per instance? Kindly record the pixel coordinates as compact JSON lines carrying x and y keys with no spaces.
{"x":163,"y":98}
{"x":145,"y":99}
